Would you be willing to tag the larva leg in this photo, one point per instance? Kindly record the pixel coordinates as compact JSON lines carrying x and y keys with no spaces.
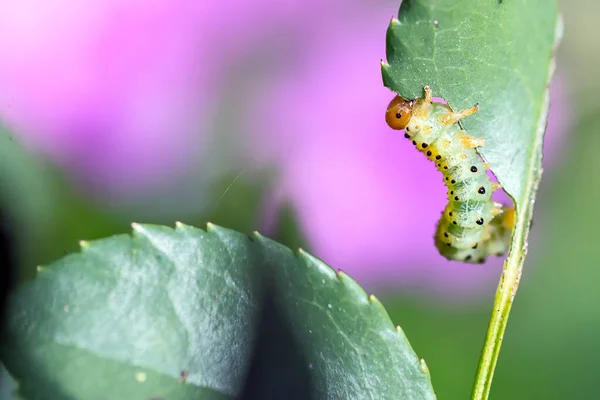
{"x":422,"y":108}
{"x":455,"y":116}
{"x":428,"y":95}
{"x":470,"y":142}
{"x":498,"y":209}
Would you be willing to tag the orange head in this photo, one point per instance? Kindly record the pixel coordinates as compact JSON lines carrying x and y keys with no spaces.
{"x":399,"y":112}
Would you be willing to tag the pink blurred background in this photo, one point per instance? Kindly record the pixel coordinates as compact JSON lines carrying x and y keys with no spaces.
{"x":127,"y":96}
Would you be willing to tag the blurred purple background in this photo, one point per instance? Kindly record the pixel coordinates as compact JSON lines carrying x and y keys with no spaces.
{"x":128,"y":95}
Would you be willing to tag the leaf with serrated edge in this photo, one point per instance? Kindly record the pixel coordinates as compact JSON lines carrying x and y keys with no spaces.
{"x":353,"y":349}
{"x":128,"y":317}
{"x":495,"y":53}
{"x":159,"y":303}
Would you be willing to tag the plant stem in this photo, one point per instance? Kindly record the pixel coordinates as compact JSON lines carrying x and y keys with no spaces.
{"x":505,"y":294}
{"x":513,"y":266}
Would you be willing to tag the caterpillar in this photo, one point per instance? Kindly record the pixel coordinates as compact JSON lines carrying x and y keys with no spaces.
{"x":472,"y":226}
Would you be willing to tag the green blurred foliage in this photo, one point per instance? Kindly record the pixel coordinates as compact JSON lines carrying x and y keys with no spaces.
{"x":49,"y":216}
{"x":579,"y":52}
{"x":287,"y":229}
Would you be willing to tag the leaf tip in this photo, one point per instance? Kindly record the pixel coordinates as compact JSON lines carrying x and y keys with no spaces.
{"x":387,"y":76}
{"x":423,"y":366}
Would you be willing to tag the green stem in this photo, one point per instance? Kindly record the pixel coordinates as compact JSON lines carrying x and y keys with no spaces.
{"x":509,"y":281}
{"x":513,"y":266}
{"x":505,"y":294}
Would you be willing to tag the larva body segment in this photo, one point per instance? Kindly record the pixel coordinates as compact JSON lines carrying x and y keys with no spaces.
{"x":472,"y":226}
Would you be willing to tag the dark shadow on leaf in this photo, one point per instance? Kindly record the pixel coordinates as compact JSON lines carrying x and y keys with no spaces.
{"x":278,"y":369}
{"x":8,"y":264}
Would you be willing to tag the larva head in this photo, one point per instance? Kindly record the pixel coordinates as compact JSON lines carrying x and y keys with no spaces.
{"x":399,"y":112}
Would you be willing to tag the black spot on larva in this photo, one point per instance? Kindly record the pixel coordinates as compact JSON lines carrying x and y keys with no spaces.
{"x":452,"y":192}
{"x":454,"y":222}
{"x":467,"y":258}
{"x":438,"y":157}
{"x":450,"y":213}
{"x":499,"y":254}
{"x":456,"y":198}
{"x":428,"y":153}
{"x":445,"y":234}
{"x":398,"y":115}
{"x":481,"y":190}
{"x":439,"y":165}
{"x":407,"y":129}
{"x":481,"y":260}
{"x":424,"y":145}
{"x":406,"y":135}
{"x":447,"y":178}
{"x":414,"y":142}
{"x":475,"y":246}
{"x":453,"y":181}
{"x":473,"y":168}
{"x":479,"y":221}
{"x":448,"y":244}
{"x":445,"y":167}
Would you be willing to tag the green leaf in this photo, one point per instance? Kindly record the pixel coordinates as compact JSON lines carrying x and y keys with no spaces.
{"x":8,"y":386}
{"x":351,"y":346}
{"x":496,"y":53}
{"x":161,"y":304}
{"x":129,"y":317}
